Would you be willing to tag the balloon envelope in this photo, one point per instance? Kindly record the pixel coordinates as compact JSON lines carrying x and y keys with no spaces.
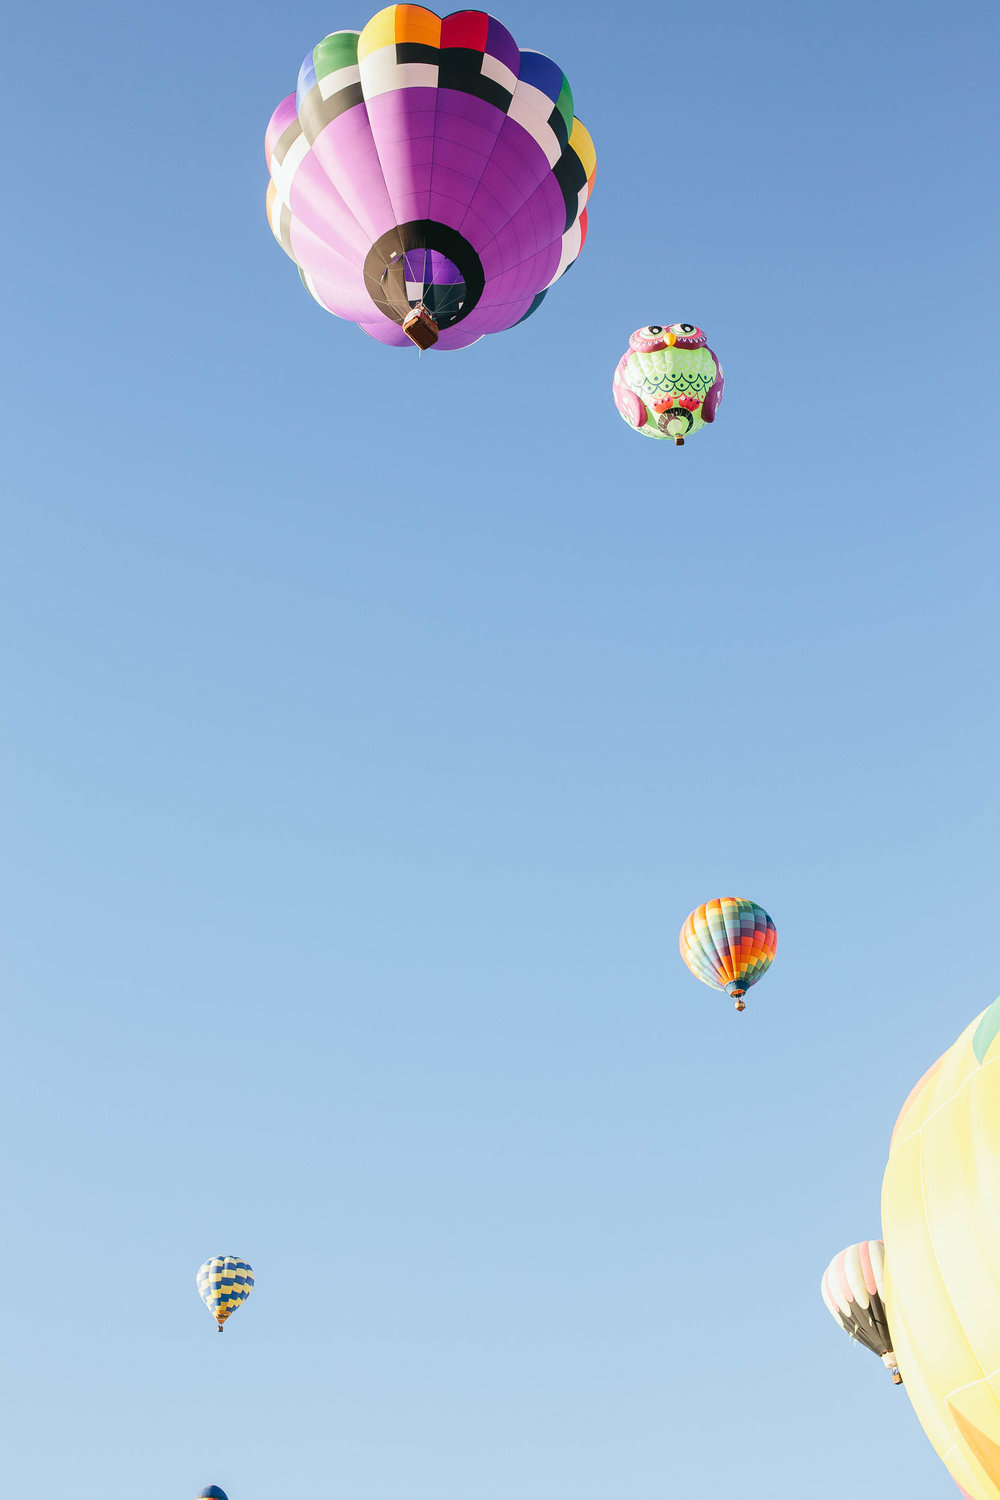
{"x":729,"y":944}
{"x":224,"y":1283}
{"x":429,"y":163}
{"x":668,"y":382}
{"x":941,"y":1225}
{"x":853,"y":1289}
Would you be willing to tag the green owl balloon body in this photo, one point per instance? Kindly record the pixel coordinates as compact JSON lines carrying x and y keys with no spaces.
{"x":668,"y":383}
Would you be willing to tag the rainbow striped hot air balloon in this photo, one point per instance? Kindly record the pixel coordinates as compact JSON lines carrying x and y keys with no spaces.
{"x":224,"y":1284}
{"x":729,"y":944}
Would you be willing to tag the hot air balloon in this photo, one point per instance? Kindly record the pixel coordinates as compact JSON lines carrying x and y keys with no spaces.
{"x":852,"y":1288}
{"x":211,"y":1492}
{"x":224,"y":1282}
{"x":730,"y":944}
{"x":428,"y":177}
{"x":941,"y":1225}
{"x":668,"y":382}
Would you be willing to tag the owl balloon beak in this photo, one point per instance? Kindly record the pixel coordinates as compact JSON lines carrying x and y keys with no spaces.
{"x":671,"y":339}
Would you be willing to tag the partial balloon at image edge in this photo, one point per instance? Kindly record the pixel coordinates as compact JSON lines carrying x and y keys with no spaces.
{"x":942,"y":1247}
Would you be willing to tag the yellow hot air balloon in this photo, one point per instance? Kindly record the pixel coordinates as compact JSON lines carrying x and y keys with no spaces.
{"x":941,"y":1226}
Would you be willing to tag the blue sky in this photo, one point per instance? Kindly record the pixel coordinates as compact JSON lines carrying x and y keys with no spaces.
{"x":372,"y":724}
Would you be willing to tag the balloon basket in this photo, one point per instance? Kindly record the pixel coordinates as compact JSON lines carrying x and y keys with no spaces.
{"x":420,"y":328}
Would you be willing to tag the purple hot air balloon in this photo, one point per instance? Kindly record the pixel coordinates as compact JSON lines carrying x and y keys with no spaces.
{"x":428,"y":178}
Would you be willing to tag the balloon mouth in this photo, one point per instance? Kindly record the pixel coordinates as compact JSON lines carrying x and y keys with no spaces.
{"x":736,"y":991}
{"x":676,"y":422}
{"x":424,"y":266}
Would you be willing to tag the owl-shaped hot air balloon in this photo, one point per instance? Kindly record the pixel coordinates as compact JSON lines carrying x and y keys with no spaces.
{"x":668,"y":383}
{"x":729,"y":944}
{"x":224,"y":1284}
{"x":429,"y":177}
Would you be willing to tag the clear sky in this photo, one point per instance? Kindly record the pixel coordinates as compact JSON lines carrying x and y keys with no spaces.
{"x":373,"y":722}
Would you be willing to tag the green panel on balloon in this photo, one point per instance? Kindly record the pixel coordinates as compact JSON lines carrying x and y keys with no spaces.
{"x":986,"y":1032}
{"x":337,"y":51}
{"x":564,"y":104}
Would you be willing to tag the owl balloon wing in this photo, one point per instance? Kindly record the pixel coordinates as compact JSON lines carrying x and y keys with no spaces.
{"x":626,"y":400}
{"x":711,"y":405}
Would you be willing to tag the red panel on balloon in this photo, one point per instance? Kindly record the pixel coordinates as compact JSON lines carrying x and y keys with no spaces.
{"x":466,"y":28}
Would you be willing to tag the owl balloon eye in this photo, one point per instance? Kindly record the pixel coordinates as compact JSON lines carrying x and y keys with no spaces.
{"x":652,"y":332}
{"x":685,"y":328}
